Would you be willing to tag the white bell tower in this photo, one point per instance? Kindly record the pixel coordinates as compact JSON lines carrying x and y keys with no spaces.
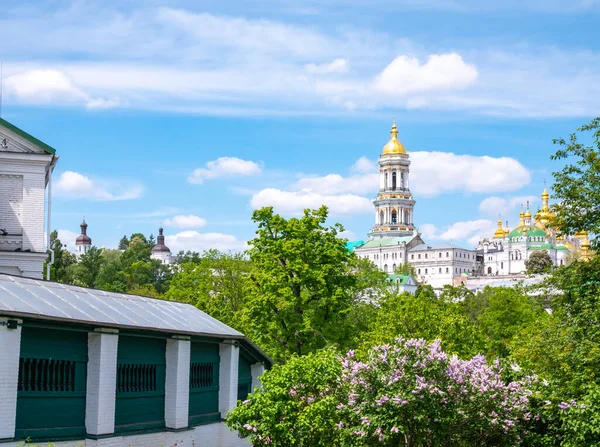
{"x":394,"y":205}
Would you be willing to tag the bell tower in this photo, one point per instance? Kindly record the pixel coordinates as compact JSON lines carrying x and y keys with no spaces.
{"x":394,"y":205}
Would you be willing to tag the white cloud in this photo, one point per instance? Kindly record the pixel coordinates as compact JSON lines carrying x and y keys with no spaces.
{"x":43,"y":86}
{"x":336,"y":184}
{"x":442,"y":72}
{"x":492,"y":206}
{"x":429,"y":231}
{"x":192,"y":240}
{"x":350,"y":235}
{"x":434,"y":173}
{"x":294,"y":202}
{"x":225,"y":167}
{"x":74,"y":185}
{"x":67,"y":237}
{"x":335,"y":66}
{"x":364,"y":166}
{"x":185,"y":221}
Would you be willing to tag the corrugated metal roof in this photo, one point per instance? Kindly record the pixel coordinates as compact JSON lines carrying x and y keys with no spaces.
{"x":47,"y":300}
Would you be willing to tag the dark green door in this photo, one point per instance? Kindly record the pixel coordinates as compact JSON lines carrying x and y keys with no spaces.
{"x":244,"y":377}
{"x":52,"y":382}
{"x":204,"y":383}
{"x":140,"y":384}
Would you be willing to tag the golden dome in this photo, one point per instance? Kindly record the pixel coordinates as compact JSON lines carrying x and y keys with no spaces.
{"x":545,"y":194}
{"x":528,"y":214}
{"x":394,"y":146}
{"x":581,"y":234}
{"x":499,"y":233}
{"x":521,"y":218}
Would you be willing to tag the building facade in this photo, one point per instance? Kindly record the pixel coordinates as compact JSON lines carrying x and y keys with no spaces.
{"x":394,"y":240}
{"x":26,"y":166}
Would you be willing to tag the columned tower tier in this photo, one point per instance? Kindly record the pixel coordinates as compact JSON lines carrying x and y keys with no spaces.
{"x":394,"y":205}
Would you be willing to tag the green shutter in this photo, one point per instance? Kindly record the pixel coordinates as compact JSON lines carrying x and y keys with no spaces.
{"x":52,"y":382}
{"x":140,"y":384}
{"x":204,"y":383}
{"x":244,"y":377}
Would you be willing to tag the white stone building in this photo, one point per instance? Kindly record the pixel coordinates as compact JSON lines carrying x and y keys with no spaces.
{"x":507,"y":252}
{"x":26,"y":166}
{"x":394,"y":241}
{"x":160,"y":251}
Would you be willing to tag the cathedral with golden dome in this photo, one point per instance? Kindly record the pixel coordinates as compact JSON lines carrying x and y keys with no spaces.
{"x":507,"y":251}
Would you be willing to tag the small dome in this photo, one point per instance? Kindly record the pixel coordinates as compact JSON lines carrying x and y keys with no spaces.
{"x":394,"y":146}
{"x":499,"y":233}
{"x":160,"y":249}
{"x":83,"y":239}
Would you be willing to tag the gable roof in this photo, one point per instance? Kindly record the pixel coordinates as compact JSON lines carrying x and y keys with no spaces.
{"x":48,"y":149}
{"x":32,"y":298}
{"x":400,"y":278}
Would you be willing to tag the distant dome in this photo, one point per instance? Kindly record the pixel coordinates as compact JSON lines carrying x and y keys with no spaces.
{"x":160,"y":246}
{"x":83,"y":238}
{"x":527,"y":230}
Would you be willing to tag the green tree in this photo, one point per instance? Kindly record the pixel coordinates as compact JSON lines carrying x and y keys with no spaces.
{"x":111,"y":276}
{"x":123,"y":243}
{"x":59,"y":271}
{"x":500,"y":313}
{"x":296,"y":405}
{"x":89,"y":267}
{"x":304,"y":282}
{"x":577,"y":185}
{"x":184,"y":257}
{"x":539,"y":262}
{"x":217,"y":284}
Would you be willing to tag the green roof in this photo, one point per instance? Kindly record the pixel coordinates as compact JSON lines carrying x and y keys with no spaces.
{"x":527,"y":230}
{"x":548,"y":246}
{"x":387,"y":242}
{"x":403,"y":278}
{"x":351,"y":245}
{"x":48,"y":149}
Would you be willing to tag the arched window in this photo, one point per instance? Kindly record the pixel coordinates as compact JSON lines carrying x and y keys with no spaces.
{"x":406,"y":221}
{"x":385,"y":186}
{"x":394,"y":267}
{"x":394,"y":215}
{"x":489,"y":270}
{"x":394,"y":180}
{"x":402,"y":180}
{"x":561,"y":262}
{"x":381,"y":217}
{"x":502,"y":265}
{"x":385,"y":268}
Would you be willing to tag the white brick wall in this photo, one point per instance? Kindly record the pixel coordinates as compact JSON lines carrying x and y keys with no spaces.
{"x":10,"y":347}
{"x":101,"y":382}
{"x":228,"y":376}
{"x":177,"y":384}
{"x":28,"y":170}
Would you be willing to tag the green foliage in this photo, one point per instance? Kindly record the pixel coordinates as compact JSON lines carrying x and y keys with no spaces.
{"x":59,"y":271}
{"x":123,"y":243}
{"x":499,"y":314}
{"x":401,"y":269}
{"x":296,"y":405}
{"x":576,"y":186}
{"x":304,"y":283}
{"x":539,"y":262}
{"x":423,"y":316}
{"x":217,"y":283}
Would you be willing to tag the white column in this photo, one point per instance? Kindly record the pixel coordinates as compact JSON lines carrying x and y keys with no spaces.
{"x":257,"y":370}
{"x":101,"y":389}
{"x":10,"y":347}
{"x":406,"y":179}
{"x":381,"y":180}
{"x":177,"y":382}
{"x":228,"y":376}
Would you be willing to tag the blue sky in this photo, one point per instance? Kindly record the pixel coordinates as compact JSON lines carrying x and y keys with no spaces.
{"x":190,"y":114}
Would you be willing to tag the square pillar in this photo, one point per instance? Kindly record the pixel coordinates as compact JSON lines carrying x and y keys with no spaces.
{"x":257,"y":370}
{"x":177,"y":382}
{"x":10,"y":347}
{"x":101,"y":391}
{"x":228,"y":376}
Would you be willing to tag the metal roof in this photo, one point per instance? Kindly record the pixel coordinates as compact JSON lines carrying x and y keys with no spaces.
{"x":48,"y":149}
{"x":386,"y":242}
{"x":438,"y":246}
{"x":47,"y":300}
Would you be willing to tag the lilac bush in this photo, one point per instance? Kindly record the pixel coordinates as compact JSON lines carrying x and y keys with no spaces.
{"x":412,"y":393}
